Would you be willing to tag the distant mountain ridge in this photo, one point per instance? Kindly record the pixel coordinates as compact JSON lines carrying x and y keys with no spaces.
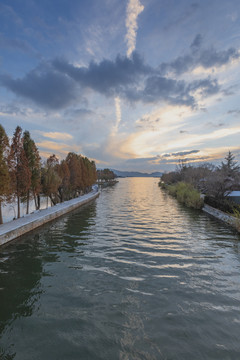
{"x":135,"y":173}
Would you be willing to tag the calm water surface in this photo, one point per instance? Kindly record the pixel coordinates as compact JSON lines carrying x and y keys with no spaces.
{"x":133,"y":275}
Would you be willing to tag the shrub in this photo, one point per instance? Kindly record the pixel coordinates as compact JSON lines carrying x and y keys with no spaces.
{"x":222,"y":204}
{"x":186,"y":194}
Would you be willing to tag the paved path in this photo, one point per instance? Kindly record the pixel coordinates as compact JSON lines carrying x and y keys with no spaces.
{"x":16,"y":228}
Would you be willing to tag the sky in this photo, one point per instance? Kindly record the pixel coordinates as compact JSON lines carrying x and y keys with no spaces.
{"x":132,"y":84}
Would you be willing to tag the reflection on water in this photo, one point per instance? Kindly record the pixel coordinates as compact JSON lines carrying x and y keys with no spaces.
{"x":133,"y":275}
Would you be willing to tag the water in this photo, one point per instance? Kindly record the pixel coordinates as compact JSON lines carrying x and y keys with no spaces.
{"x":133,"y":275}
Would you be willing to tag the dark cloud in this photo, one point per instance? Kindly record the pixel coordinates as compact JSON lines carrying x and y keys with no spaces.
{"x":180,"y":153}
{"x":11,"y":109}
{"x":108,"y":77}
{"x":234,"y":112}
{"x":211,"y":57}
{"x":207,"y":58}
{"x":75,"y":113}
{"x":175,"y":92}
{"x":58,"y":84}
{"x":206,"y":86}
{"x":197,"y":42}
{"x":45,"y":87}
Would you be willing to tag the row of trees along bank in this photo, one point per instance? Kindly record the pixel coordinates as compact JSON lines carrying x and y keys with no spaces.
{"x":187,"y":182}
{"x":23,"y":176}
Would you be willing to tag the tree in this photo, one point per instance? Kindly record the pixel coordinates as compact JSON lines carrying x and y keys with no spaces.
{"x":64,"y":174}
{"x":230,"y":167}
{"x":34,"y":165}
{"x":20,"y":172}
{"x":50,"y":179}
{"x":4,"y":169}
{"x":76,"y":177}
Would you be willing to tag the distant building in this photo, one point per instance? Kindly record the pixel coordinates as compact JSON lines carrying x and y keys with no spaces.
{"x":234,"y":196}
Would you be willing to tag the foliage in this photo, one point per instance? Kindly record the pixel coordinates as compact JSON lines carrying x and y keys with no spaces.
{"x":4,"y":169}
{"x":19,"y":170}
{"x":106,"y":175}
{"x":34,"y":165}
{"x":186,"y":194}
{"x":22,"y":175}
{"x":222,"y":204}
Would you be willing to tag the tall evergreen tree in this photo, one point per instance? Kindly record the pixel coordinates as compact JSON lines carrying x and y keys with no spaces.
{"x":64,"y":174}
{"x":230,"y":166}
{"x":4,"y":169}
{"x":20,"y":172}
{"x":34,"y":165}
{"x":75,"y":167}
{"x":50,"y":179}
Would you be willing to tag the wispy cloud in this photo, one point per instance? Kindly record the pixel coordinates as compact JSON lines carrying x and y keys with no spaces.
{"x":60,"y":149}
{"x":134,"y":8}
{"x":57,"y":135}
{"x":118,"y":114}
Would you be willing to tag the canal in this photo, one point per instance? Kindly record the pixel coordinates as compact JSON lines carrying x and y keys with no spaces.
{"x":132,"y":275}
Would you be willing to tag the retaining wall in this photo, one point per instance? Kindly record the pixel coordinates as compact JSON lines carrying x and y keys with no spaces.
{"x":19,"y":227}
{"x":230,"y":220}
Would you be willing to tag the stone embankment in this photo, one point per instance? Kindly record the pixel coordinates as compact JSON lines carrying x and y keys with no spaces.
{"x":19,"y":227}
{"x":230,"y":220}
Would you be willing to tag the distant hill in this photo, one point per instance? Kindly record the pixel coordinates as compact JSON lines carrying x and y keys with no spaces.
{"x":135,"y":173}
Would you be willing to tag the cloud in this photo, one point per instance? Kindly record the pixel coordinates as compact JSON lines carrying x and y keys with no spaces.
{"x":107,"y":77}
{"x":199,"y":56}
{"x":197,"y":42}
{"x":134,"y":8}
{"x":173,"y":91}
{"x":60,"y":149}
{"x":180,"y":153}
{"x":234,"y":112}
{"x":59,"y":84}
{"x":57,"y":135}
{"x":44,"y":86}
{"x":81,"y":113}
{"x":118,"y":114}
{"x":14,"y":44}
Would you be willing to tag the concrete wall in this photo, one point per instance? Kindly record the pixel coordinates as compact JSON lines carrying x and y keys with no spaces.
{"x":19,"y":227}
{"x":230,"y":220}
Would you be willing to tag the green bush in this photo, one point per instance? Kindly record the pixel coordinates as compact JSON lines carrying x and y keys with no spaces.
{"x":186,"y":194}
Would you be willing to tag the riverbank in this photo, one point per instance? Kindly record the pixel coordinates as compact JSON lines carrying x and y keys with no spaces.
{"x":14,"y":229}
{"x":229,"y":219}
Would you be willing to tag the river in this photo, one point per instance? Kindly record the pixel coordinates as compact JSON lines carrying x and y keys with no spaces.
{"x":133,"y":275}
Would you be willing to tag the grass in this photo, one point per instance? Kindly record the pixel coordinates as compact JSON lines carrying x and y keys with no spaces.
{"x":185,"y":194}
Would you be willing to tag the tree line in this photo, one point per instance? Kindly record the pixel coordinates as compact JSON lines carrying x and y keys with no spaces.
{"x":106,"y":175}
{"x":216,"y":182}
{"x":24,"y":176}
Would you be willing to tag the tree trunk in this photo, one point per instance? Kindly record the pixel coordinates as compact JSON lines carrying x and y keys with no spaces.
{"x":27,"y":212}
{"x":38,"y":202}
{"x":1,"y":219}
{"x":18,"y":206}
{"x":35,"y":201}
{"x":52,"y":201}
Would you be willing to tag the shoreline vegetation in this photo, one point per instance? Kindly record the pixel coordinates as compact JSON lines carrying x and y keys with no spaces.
{"x":24,"y":176}
{"x":185,"y":193}
{"x":207,"y":186}
{"x":106,"y":178}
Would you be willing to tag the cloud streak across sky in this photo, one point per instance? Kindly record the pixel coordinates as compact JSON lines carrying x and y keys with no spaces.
{"x":134,"y":9}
